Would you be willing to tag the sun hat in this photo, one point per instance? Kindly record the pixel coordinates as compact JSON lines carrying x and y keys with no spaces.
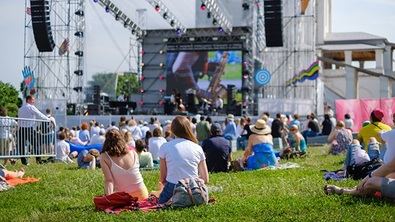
{"x":260,"y":127}
{"x":230,"y":117}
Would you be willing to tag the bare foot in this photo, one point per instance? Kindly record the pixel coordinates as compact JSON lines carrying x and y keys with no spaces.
{"x":332,"y":189}
{"x":21,"y":172}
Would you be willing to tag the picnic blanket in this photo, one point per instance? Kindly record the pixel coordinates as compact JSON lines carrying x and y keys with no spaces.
{"x":79,"y":148}
{"x":121,"y":201}
{"x":12,"y":182}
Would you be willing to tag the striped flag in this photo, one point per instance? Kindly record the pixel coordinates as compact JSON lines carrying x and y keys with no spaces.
{"x":28,"y":11}
{"x":64,"y":47}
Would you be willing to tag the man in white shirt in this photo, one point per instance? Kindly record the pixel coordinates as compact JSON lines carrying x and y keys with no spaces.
{"x":219,"y":103}
{"x":98,"y":138}
{"x":26,"y":133}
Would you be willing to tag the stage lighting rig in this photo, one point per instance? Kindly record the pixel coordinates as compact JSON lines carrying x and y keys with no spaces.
{"x":219,"y":15}
{"x":167,"y":15}
{"x":127,"y":22}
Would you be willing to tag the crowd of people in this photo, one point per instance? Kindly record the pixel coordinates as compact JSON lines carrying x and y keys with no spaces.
{"x":189,"y":147}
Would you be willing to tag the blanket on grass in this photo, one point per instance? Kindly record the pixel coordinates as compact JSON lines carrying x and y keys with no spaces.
{"x":12,"y":182}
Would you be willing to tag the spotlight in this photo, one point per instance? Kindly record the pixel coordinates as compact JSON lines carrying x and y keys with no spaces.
{"x":79,"y":53}
{"x":141,"y":90}
{"x":142,"y":64}
{"x":79,"y":34}
{"x":191,"y":39}
{"x":107,"y":9}
{"x":178,"y":31}
{"x":116,"y":17}
{"x":77,"y":89}
{"x":79,"y":13}
{"x":161,"y":77}
{"x":78,"y":72}
{"x":208,"y":14}
{"x":133,"y":31}
{"x":161,"y":52}
{"x":165,"y":16}
{"x":95,"y":1}
{"x":215,"y":22}
{"x":161,"y":90}
{"x":220,"y":29}
{"x":245,"y":6}
{"x":125,"y":24}
{"x":172,"y":23}
{"x":203,"y":6}
{"x":142,"y":78}
{"x":161,"y":64}
{"x":214,"y":38}
{"x":157,"y":8}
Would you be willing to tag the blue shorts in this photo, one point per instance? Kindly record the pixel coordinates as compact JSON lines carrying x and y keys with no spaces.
{"x":388,"y":188}
{"x":2,"y":174}
{"x":166,"y":193}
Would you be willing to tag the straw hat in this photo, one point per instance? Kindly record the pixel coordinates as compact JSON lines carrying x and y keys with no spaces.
{"x":260,"y":127}
{"x":231,"y":117}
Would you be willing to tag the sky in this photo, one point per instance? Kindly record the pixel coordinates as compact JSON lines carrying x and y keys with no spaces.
{"x":106,"y":53}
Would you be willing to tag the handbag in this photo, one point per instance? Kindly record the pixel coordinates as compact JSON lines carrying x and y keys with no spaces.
{"x":189,"y":192}
{"x":360,"y":171}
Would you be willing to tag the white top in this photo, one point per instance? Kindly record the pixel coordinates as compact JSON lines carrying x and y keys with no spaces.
{"x":136,"y":132}
{"x":389,"y":138}
{"x":52,"y":119}
{"x":348,"y":123}
{"x":124,"y":178}
{"x":95,"y":130}
{"x":182,"y":159}
{"x":28,"y":111}
{"x":219,"y":103}
{"x":97,"y":139}
{"x":144,"y":130}
{"x":112,"y":127}
{"x":62,"y":150}
{"x":154,"y":145}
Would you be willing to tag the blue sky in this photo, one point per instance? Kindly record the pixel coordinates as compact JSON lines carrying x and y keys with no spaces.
{"x":372,"y":16}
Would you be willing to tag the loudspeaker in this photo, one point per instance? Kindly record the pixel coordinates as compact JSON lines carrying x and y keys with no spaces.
{"x":273,"y":23}
{"x":168,"y":107}
{"x":231,"y":97}
{"x":191,"y":103}
{"x":70,"y":108}
{"x":40,"y":12}
{"x":93,"y":109}
{"x":96,"y":94}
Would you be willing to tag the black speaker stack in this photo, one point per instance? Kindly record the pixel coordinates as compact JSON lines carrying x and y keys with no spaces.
{"x":273,"y":23}
{"x":191,"y":106}
{"x":40,"y":13}
{"x":231,"y":98}
{"x":96,"y":94}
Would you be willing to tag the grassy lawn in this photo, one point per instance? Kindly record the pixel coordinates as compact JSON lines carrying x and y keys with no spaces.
{"x":65,"y":194}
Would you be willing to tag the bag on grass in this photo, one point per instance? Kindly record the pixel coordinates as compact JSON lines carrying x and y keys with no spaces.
{"x":360,"y":171}
{"x":189,"y":192}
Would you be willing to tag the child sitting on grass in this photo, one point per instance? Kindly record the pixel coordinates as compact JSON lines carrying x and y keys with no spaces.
{"x":63,"y":149}
{"x":145,"y":157}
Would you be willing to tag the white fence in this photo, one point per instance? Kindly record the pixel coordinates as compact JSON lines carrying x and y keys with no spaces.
{"x":26,"y":138}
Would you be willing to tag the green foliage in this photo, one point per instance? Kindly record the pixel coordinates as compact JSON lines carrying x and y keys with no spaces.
{"x":106,"y":81}
{"x":128,"y":83}
{"x":65,"y":193}
{"x":9,"y":98}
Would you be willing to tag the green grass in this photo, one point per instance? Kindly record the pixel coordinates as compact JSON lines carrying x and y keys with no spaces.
{"x":65,"y":194}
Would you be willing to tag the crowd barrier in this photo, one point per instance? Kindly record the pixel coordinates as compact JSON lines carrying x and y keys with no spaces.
{"x":26,"y":138}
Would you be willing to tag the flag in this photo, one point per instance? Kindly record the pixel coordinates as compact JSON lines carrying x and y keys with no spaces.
{"x":64,"y":47}
{"x":28,"y":11}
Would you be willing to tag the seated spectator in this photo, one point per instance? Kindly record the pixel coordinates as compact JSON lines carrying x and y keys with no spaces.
{"x":113,"y":125}
{"x":356,"y":155}
{"x":88,"y":159}
{"x":297,"y":141}
{"x":121,"y":167}
{"x":168,"y":136}
{"x":98,"y":138}
{"x":326,"y":125}
{"x":348,"y":122}
{"x":373,"y":129}
{"x":134,"y":130}
{"x":312,"y":128}
{"x":8,"y":174}
{"x":76,"y":140}
{"x":259,"y":151}
{"x":95,"y":129}
{"x":217,"y":150}
{"x":340,"y":138}
{"x":129,"y":140}
{"x":155,"y":143}
{"x":145,"y":157}
{"x":84,"y":134}
{"x":373,"y":148}
{"x":63,"y":149}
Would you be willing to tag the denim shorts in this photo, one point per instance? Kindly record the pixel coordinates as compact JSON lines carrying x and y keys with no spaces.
{"x":388,"y":188}
{"x":166,"y":193}
{"x":2,"y":174}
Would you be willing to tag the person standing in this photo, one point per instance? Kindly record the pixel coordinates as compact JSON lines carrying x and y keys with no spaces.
{"x":202,"y":129}
{"x":277,"y":132}
{"x":26,"y":133}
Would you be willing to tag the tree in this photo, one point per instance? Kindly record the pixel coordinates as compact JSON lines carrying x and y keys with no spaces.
{"x":106,"y":81}
{"x":9,"y":98}
{"x":128,"y":83}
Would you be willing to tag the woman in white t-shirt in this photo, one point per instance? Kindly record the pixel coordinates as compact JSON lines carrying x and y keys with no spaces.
{"x":154,"y":144}
{"x":180,"y":158}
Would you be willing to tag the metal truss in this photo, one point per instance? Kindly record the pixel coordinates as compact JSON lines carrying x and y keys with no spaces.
{"x":218,"y":15}
{"x":128,"y":23}
{"x":168,"y":16}
{"x":58,"y":72}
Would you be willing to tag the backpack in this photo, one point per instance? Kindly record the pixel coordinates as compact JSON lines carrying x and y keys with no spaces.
{"x":360,"y":171}
{"x":189,"y":192}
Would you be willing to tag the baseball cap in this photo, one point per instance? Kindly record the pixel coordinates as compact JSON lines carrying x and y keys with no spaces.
{"x":378,"y":113}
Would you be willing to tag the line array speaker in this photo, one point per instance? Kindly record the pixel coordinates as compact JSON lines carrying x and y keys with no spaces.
{"x":273,"y":23}
{"x":41,"y":23}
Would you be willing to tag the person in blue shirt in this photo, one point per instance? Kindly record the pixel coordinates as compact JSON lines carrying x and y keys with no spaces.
{"x":230,"y":132}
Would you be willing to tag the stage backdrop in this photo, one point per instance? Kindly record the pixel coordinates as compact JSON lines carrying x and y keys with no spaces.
{"x":360,"y":110}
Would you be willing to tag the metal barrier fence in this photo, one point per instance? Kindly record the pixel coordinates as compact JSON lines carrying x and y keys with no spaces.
{"x":26,"y":138}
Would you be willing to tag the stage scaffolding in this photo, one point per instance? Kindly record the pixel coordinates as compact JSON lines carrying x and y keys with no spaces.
{"x":298,"y":52}
{"x":59,"y":77}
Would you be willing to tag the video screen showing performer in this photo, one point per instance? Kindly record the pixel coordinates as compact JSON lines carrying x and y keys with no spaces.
{"x":206,"y":73}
